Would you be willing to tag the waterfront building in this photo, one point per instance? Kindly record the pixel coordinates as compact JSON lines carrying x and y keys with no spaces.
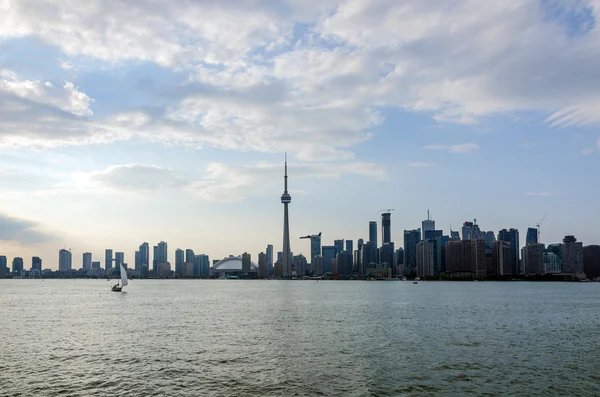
{"x":349,"y":246}
{"x":378,"y":271}
{"x":512,"y":236}
{"x":531,"y":236}
{"x":163,"y":269}
{"x":373,"y":232}
{"x":467,"y":230}
{"x":138,"y":262}
{"x":96,"y":265}
{"x":144,"y":255}
{"x":87,"y":261}
{"x":427,"y":225}
{"x":399,"y":262}
{"x":533,"y":259}
{"x":315,"y":246}
{"x":411,"y":239}
{"x":440,"y":255}
{"x":328,"y":252}
{"x":572,"y":256}
{"x":359,"y":244}
{"x":234,"y":266}
{"x":17,"y":265}
{"x":189,"y":255}
{"x":160,"y":255}
{"x":36,"y":263}
{"x":202,"y":265}
{"x":386,"y":254}
{"x":286,"y":199}
{"x":501,"y":259}
{"x":369,"y":255}
{"x":426,"y":259}
{"x":179,"y":261}
{"x":552,"y":262}
{"x":466,"y":258}
{"x":345,"y":263}
{"x":386,"y":228}
{"x":108,"y":259}
{"x":339,"y":246}
{"x":591,"y":261}
{"x":269,"y":253}
{"x":3,"y":263}
{"x":300,"y":265}
{"x":262,"y":265}
{"x":318,"y":266}
{"x":119,"y":259}
{"x":64,"y":260}
{"x":188,"y":269}
{"x":246,"y":259}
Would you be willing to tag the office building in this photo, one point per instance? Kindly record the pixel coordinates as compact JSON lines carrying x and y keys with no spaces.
{"x":179,"y":261}
{"x":531,"y":236}
{"x":386,"y":228}
{"x":427,"y":263}
{"x":318,"y":266}
{"x":36,"y":263}
{"x":87,"y":261}
{"x":119,"y":260}
{"x":466,"y":258}
{"x":344,"y":262}
{"x":160,"y":256}
{"x":454,"y":235}
{"x":591,"y":261}
{"x":262,"y":265}
{"x":163,"y":269}
{"x":286,"y":199}
{"x":440,"y":255}
{"x":411,"y":239}
{"x":339,"y":246}
{"x":501,"y":259}
{"x":572,"y":256}
{"x":188,"y":269}
{"x":144,"y":256}
{"x":373,"y":232}
{"x":300,"y":265}
{"x":369,"y":256}
{"x":138,"y":262}
{"x":315,"y":246}
{"x":17,"y":265}
{"x":108,"y":259}
{"x":467,"y":230}
{"x":3,"y":264}
{"x":96,"y":265}
{"x":512,"y":236}
{"x":349,"y":246}
{"x":432,"y":234}
{"x":64,"y":260}
{"x":328,"y":252}
{"x":246,"y":262}
{"x":386,"y":254}
{"x":552,"y":262}
{"x":427,"y":225}
{"x":399,"y":262}
{"x":189,"y":255}
{"x":269,"y":253}
{"x":202,"y":265}
{"x":359,"y":244}
{"x":533,"y":259}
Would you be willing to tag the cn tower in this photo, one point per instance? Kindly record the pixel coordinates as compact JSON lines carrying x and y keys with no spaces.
{"x":286,"y":265}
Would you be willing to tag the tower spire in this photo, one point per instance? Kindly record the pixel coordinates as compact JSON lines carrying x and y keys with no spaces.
{"x":285,"y":175}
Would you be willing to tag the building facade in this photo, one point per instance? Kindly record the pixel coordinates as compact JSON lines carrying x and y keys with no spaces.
{"x":466,"y":258}
{"x":572,"y":256}
{"x":512,"y":236}
{"x":411,"y":239}
{"x":87,"y":261}
{"x":108,"y":259}
{"x":591,"y":261}
{"x":64,"y":260}
{"x":533,"y":259}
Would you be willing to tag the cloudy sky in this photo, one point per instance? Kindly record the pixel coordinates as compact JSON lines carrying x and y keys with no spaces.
{"x":127,"y":121}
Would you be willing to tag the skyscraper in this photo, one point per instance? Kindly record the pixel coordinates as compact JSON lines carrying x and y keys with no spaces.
{"x":349,"y":246}
{"x":160,"y":255}
{"x":108,"y":259}
{"x":189,"y":256}
{"x":315,"y":248}
{"x":269,"y":259}
{"x":144,"y":258}
{"x":373,"y":232}
{"x":179,"y":260}
{"x":467,"y":230}
{"x":427,"y":224}
{"x":512,"y":236}
{"x":532,"y":236}
{"x":3,"y":264}
{"x":17,"y":264}
{"x":386,"y":228}
{"x":532,"y":256}
{"x":119,"y":259}
{"x":64,"y":260}
{"x":359,"y":244}
{"x":286,"y":199}
{"x":246,"y":262}
{"x":36,"y":263}
{"x":339,"y":246}
{"x":411,"y":239}
{"x":262,"y":264}
{"x":591,"y":261}
{"x":329,"y":253}
{"x":572,"y":256}
{"x":87,"y":261}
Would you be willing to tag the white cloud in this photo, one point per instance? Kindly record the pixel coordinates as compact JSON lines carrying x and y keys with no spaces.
{"x":420,"y":164}
{"x":539,"y":194}
{"x":137,"y":177}
{"x":588,"y":150}
{"x":459,"y":148}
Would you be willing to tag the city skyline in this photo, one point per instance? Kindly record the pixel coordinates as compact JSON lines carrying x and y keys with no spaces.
{"x":133,"y":131}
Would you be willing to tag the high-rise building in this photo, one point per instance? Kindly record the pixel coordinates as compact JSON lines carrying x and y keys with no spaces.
{"x":572,"y":256}
{"x":552,"y":262}
{"x":512,"y":236}
{"x":329,"y":253}
{"x":119,"y":259}
{"x":262,"y":264}
{"x":533,"y":259}
{"x":339,"y":246}
{"x":373,"y":232}
{"x":318,"y":266}
{"x":286,"y":199}
{"x":466,"y":258}
{"x":96,"y":265}
{"x":591,"y":261}
{"x":108,"y":259}
{"x":386,"y":228}
{"x":532,"y":236}
{"x":501,"y":258}
{"x":64,"y":260}
{"x":349,"y":246}
{"x":36,"y":263}
{"x":300,"y":265}
{"x":202,"y":265}
{"x":160,"y":256}
{"x":3,"y":264}
{"x":432,"y":234}
{"x":467,"y":230}
{"x":144,"y":255}
{"x":269,"y":253}
{"x":189,"y":255}
{"x":369,"y":256}
{"x":344,"y":262}
{"x":179,"y":261}
{"x":454,"y":235}
{"x":428,"y":224}
{"x":359,"y":244}
{"x":246,"y":262}
{"x":87,"y":261}
{"x":411,"y":239}
{"x":315,"y":246}
{"x":386,"y":254}
{"x":426,"y":259}
{"x":17,"y":264}
{"x":138,"y":261}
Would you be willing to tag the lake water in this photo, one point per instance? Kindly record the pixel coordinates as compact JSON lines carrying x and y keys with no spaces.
{"x":298,"y":338}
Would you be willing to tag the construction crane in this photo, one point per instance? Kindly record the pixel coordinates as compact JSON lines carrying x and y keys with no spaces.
{"x":311,"y":236}
{"x":538,"y":228}
{"x":387,"y":210}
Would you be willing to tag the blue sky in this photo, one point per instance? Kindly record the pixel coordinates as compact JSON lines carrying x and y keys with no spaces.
{"x":123,"y":122}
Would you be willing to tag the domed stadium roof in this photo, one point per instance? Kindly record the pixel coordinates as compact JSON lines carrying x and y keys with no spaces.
{"x":233,"y":263}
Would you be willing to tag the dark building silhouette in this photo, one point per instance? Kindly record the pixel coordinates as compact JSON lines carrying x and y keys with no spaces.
{"x":246,"y":262}
{"x":369,"y":255}
{"x":501,"y":259}
{"x":591,"y":261}
{"x":373,"y":232}
{"x":466,"y":258}
{"x":386,"y":228}
{"x":532,"y":236}
{"x":572,"y":256}
{"x":36,"y":263}
{"x":339,"y":246}
{"x":432,"y":234}
{"x":108,"y":259}
{"x":329,"y":253}
{"x":411,"y":239}
{"x":533,"y":259}
{"x":17,"y":264}
{"x":349,"y":246}
{"x":512,"y":236}
{"x":344,"y":263}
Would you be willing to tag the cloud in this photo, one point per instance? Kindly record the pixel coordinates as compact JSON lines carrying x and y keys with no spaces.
{"x":460,"y":148}
{"x":588,"y":150}
{"x":137,"y":177}
{"x":539,"y":194}
{"x":420,"y":164}
{"x":21,"y":230}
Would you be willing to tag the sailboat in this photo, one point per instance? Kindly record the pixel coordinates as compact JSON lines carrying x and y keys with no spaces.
{"x":123,"y":279}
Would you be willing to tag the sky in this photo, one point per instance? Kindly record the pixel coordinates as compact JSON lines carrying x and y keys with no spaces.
{"x":128,"y":121}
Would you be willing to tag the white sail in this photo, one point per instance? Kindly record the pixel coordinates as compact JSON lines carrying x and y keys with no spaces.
{"x":123,"y":276}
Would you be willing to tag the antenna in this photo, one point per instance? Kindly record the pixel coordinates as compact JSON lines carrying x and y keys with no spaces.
{"x":428,"y":214}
